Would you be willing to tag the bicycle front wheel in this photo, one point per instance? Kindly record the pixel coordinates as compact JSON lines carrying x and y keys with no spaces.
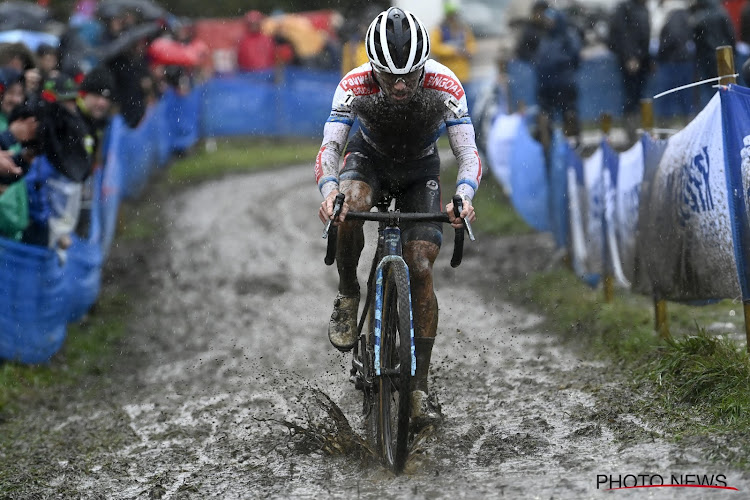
{"x":394,"y":383}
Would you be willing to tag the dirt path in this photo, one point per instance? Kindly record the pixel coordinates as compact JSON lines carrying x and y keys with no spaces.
{"x":231,"y":350}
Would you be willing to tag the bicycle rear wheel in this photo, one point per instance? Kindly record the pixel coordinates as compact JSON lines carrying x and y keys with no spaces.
{"x":394,"y":384}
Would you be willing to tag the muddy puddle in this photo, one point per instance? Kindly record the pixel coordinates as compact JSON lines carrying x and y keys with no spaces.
{"x":235,"y":391}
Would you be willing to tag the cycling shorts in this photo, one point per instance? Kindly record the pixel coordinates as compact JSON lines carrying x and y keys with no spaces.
{"x":415,"y":185}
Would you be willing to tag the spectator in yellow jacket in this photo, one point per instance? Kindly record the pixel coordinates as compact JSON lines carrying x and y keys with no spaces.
{"x":453,"y":43}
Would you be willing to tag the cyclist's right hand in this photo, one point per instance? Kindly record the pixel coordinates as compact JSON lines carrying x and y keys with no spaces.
{"x":326,"y":209}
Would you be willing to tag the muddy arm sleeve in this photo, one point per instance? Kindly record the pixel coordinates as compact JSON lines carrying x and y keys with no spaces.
{"x":327,"y":162}
{"x":464,"y":148}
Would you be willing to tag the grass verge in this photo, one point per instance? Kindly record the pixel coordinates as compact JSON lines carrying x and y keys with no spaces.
{"x":700,"y":376}
{"x":236,"y":155}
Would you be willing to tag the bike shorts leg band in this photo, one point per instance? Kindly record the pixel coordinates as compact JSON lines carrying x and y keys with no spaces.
{"x":426,"y":231}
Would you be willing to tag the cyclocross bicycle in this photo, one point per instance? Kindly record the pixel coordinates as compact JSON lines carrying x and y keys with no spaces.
{"x":383,"y":360}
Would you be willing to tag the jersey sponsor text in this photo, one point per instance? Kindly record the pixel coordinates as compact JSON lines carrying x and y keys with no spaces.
{"x":445,"y":83}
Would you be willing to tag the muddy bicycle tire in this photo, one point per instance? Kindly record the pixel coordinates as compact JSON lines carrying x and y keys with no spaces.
{"x":393,"y":398}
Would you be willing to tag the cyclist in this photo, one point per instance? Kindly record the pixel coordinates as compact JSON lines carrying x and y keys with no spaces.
{"x":403,"y":100}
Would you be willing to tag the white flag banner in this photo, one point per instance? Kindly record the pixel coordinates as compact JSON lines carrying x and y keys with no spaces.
{"x":627,"y":199}
{"x":593,"y":178}
{"x":687,"y":242}
{"x":653,"y":150}
{"x":500,"y":141}
{"x":586,"y":202}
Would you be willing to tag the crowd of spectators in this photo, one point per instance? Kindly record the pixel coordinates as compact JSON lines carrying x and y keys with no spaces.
{"x":680,"y":36}
{"x":56,"y":103}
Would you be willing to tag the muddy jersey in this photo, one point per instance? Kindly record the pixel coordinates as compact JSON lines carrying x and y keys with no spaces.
{"x":403,"y":132}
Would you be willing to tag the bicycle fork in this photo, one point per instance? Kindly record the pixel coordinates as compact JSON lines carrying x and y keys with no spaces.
{"x":392,"y":251}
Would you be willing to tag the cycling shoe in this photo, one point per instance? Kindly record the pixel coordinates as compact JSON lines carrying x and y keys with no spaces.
{"x":425,"y":410}
{"x":342,"y":329}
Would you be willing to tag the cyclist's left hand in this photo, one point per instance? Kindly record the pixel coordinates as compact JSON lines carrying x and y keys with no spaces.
{"x":466,"y":213}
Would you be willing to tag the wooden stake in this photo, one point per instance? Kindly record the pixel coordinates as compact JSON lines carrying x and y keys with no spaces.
{"x":647,"y":114}
{"x":725,"y":64}
{"x":662,"y":319}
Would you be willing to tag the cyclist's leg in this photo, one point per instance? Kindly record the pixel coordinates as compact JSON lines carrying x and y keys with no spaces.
{"x":421,"y":247}
{"x":420,"y":256}
{"x":357,"y":183}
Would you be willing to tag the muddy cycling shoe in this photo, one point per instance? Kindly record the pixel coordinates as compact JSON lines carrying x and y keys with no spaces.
{"x":425,"y":410}
{"x":342,"y":329}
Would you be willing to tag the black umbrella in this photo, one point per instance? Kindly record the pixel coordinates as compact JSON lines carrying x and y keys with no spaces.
{"x":22,"y":16}
{"x":146,"y":9}
{"x":128,"y":39}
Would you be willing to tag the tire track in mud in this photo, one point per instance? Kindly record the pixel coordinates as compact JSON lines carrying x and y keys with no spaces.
{"x":242,"y":396}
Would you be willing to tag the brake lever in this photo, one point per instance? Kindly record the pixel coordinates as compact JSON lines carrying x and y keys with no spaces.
{"x":338,"y":204}
{"x":458,"y":206}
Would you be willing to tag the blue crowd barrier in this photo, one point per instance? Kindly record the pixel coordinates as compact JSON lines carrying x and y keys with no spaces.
{"x":35,"y":305}
{"x":238,"y":105}
{"x":110,"y":192}
{"x":253,"y":104}
{"x":183,"y":112}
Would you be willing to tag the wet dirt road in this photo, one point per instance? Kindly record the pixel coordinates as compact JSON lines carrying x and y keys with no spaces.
{"x":235,"y":392}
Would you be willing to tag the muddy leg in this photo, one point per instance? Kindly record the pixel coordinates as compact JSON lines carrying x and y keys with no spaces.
{"x":351,"y":238}
{"x":420,"y":256}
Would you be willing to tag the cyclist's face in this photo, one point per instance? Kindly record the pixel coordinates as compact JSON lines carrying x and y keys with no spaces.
{"x":399,"y":88}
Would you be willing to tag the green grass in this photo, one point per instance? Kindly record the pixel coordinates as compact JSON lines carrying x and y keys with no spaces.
{"x":90,"y":349}
{"x":706,"y":371}
{"x":242,"y":155}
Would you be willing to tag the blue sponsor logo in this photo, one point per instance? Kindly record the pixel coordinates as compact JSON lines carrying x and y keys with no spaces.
{"x":694,"y":194}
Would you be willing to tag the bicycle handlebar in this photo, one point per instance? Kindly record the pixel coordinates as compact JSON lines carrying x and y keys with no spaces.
{"x":393,"y":218}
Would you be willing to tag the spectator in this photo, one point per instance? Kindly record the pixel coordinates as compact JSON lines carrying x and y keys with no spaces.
{"x":18,"y":144}
{"x":676,"y":56}
{"x":135,"y":89}
{"x":94,"y":104}
{"x":12,"y":88}
{"x":256,"y":50}
{"x":16,"y":55}
{"x":21,"y":58}
{"x":22,"y":129}
{"x":62,"y":139}
{"x":47,"y":61}
{"x":629,"y":39}
{"x":453,"y":43}
{"x":63,"y":134}
{"x":555,"y":58}
{"x":712,"y":28}
{"x":528,"y":40}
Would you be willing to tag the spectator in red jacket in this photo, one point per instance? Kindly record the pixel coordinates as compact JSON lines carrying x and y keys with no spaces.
{"x":256,"y":50}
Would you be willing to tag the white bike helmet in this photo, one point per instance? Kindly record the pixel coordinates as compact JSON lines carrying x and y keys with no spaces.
{"x":397,"y":42}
